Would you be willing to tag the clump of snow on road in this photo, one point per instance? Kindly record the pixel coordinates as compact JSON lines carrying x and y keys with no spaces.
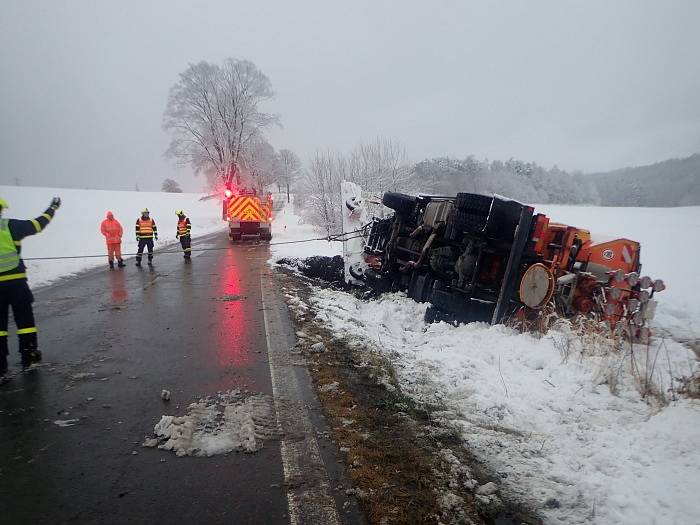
{"x":288,"y":227}
{"x":539,"y":413}
{"x":215,"y":425}
{"x":75,"y":230}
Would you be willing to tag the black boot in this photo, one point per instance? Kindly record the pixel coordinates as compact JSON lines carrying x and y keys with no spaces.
{"x":30,"y":356}
{"x":121,"y":263}
{"x":138,"y":262}
{"x":111,"y":265}
{"x":3,"y":364}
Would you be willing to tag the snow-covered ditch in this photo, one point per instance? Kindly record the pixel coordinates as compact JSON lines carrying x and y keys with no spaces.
{"x":540,"y":412}
{"x":559,"y":419}
{"x":75,"y":229}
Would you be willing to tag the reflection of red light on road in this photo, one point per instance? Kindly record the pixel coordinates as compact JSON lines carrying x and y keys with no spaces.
{"x":119,"y":293}
{"x":234,"y":342}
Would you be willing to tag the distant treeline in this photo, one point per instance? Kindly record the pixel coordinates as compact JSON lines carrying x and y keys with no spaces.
{"x":670,"y":183}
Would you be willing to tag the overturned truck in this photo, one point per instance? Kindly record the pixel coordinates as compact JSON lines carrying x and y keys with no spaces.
{"x":487,"y":258}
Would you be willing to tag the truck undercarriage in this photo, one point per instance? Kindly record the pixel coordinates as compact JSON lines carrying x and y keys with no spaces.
{"x":487,"y":258}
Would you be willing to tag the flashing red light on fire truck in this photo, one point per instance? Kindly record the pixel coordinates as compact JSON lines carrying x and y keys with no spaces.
{"x":228,"y":193}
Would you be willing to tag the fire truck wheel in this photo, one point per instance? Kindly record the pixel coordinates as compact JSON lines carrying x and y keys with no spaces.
{"x":399,"y":202}
{"x":235,"y":237}
{"x":473,"y":203}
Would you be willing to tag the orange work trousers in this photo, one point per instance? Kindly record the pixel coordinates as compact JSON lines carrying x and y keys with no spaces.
{"x":114,"y":249}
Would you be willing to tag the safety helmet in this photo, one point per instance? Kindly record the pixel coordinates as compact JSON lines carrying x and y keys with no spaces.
{"x":179,"y":212}
{"x":3,"y":204}
{"x":145,"y":210}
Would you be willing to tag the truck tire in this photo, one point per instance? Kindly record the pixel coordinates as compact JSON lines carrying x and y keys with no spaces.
{"x":420,"y":287}
{"x":378,"y":282}
{"x":399,"y":202}
{"x":460,"y":221}
{"x":473,"y":203}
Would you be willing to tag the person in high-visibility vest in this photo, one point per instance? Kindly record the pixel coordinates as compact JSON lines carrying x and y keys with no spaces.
{"x":146,"y":233}
{"x":112,"y":230}
{"x":184,"y":230}
{"x":14,"y":290}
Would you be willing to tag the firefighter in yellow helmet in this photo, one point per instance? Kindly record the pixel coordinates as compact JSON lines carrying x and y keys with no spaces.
{"x":184,"y":230}
{"x":14,"y":290}
{"x":146,"y":233}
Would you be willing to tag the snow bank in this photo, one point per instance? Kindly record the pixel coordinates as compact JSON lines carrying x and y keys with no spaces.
{"x":75,"y":229}
{"x":547,"y":425}
{"x":288,"y":226}
{"x":542,"y":416}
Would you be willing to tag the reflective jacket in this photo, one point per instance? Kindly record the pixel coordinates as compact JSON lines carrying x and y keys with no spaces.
{"x":146,"y":228}
{"x":16,"y":230}
{"x":111,"y":229}
{"x":183,"y":227}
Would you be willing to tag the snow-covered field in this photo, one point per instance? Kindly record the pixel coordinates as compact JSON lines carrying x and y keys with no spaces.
{"x":75,"y":229}
{"x":288,"y":227}
{"x":562,"y":423}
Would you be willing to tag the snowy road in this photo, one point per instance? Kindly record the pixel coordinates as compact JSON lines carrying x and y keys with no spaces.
{"x":71,"y":431}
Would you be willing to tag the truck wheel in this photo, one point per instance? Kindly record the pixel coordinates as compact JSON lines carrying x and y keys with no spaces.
{"x":235,"y":237}
{"x":474,"y":203}
{"x":459,"y":222}
{"x":399,"y":202}
{"x":378,"y":282}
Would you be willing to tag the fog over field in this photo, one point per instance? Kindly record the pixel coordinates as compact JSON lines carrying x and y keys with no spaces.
{"x":589,"y":86}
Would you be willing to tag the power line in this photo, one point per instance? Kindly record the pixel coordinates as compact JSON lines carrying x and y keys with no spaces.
{"x":330,"y":238}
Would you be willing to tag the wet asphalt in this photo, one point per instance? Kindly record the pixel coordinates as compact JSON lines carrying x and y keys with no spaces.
{"x":112,"y":340}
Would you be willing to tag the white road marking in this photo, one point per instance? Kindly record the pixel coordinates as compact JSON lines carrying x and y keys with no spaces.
{"x":309,"y":496}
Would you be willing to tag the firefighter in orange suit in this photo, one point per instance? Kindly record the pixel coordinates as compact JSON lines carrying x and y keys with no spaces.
{"x":146,"y":233}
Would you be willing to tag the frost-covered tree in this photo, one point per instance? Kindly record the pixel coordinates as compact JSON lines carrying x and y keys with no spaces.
{"x":214,"y":114}
{"x":289,"y":168}
{"x":171,"y":186}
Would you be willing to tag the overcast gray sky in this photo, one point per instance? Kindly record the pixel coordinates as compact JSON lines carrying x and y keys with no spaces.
{"x":589,"y":85}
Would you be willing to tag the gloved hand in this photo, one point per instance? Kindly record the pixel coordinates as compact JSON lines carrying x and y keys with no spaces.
{"x":56,"y":203}
{"x":138,"y":238}
{"x":155,"y":237}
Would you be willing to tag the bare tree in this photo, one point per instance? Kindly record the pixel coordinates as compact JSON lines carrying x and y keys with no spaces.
{"x":171,"y":186}
{"x":259,"y":164}
{"x":213,"y":114}
{"x":289,"y":166}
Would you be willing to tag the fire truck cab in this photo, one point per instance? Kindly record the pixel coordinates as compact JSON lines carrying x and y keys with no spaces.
{"x":247,"y":213}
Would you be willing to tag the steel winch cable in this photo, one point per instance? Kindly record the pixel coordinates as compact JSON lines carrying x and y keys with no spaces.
{"x":340,"y":237}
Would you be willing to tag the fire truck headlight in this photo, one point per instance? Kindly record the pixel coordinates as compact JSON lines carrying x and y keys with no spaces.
{"x":632,"y":278}
{"x":659,"y":286}
{"x":646,"y":282}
